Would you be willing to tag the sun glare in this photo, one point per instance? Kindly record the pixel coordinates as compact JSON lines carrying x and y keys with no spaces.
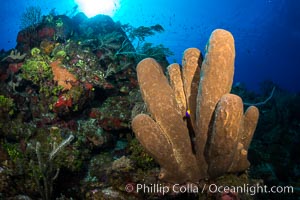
{"x":95,"y":7}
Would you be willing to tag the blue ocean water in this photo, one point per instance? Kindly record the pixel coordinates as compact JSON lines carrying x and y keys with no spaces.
{"x":267,"y":32}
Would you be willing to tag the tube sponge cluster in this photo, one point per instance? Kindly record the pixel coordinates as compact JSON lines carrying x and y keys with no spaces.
{"x":197,"y":129}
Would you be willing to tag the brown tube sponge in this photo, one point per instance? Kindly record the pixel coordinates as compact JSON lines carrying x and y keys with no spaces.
{"x":240,"y":161}
{"x":214,"y":138}
{"x":177,"y":85}
{"x":250,"y":122}
{"x":216,"y":79}
{"x":158,"y":146}
{"x":224,"y":134}
{"x":191,"y":63}
{"x":160,"y":100}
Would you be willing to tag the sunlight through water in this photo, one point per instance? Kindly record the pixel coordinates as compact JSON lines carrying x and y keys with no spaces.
{"x":95,"y":7}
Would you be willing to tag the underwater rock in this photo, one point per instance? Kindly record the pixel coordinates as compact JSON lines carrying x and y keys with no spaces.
{"x":122,"y":164}
{"x":95,"y":25}
{"x":47,"y":47}
{"x":115,"y":113}
{"x":99,"y":166}
{"x":55,"y":28}
{"x":95,"y":135}
{"x":108,"y":193}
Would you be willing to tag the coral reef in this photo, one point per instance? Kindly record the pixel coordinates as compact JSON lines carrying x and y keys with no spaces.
{"x":68,"y":76}
{"x":197,"y":129}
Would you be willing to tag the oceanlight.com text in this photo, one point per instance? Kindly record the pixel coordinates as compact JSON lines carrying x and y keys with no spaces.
{"x":251,"y":189}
